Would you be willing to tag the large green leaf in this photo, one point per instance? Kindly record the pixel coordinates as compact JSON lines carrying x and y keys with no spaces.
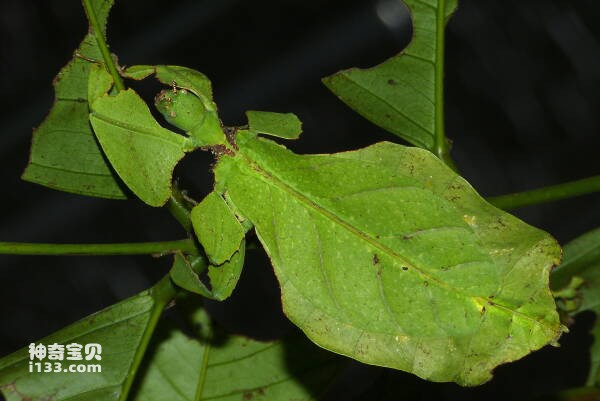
{"x":404,"y":94}
{"x":120,"y":329}
{"x":582,"y":260}
{"x":64,"y":151}
{"x":386,"y":255}
{"x":143,"y":153}
{"x":232,"y":368}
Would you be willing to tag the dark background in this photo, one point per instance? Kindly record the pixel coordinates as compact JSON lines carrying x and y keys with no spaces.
{"x":522,"y":109}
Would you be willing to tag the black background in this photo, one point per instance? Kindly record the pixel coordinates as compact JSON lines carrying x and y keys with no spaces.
{"x":522,"y":78}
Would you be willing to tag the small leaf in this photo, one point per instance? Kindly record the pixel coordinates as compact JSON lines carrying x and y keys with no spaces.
{"x":281,"y":125}
{"x":142,"y":152}
{"x":400,"y":95}
{"x":386,"y":255}
{"x":582,"y":260}
{"x":64,"y":152}
{"x":118,"y":329}
{"x":139,"y":72}
{"x":223,"y":279}
{"x":185,"y":272}
{"x":217,"y":228}
{"x":232,"y":368}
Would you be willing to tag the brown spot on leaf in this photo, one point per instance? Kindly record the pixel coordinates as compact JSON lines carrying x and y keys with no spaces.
{"x":392,"y":82}
{"x":375,"y":259}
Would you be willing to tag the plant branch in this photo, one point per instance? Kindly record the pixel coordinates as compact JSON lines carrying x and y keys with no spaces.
{"x":99,"y":34}
{"x":547,"y":194}
{"x":174,"y":206}
{"x":203,"y":370}
{"x":135,"y":248}
{"x":441,"y":148}
{"x":179,"y":207}
{"x":163,"y":293}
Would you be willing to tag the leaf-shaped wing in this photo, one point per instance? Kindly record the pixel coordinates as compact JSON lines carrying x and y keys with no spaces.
{"x":386,"y":255}
{"x":64,"y":152}
{"x":403,"y":95}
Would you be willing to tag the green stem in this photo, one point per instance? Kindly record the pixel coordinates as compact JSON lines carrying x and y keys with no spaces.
{"x":163,"y":292}
{"x":575,"y":394}
{"x":179,"y":207}
{"x":99,"y":34}
{"x":135,"y":248}
{"x":441,"y":148}
{"x":547,"y":194}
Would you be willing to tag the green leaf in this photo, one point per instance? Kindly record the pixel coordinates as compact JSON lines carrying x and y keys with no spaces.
{"x":122,"y":330}
{"x":64,"y":153}
{"x":139,"y":72}
{"x":387,"y":256}
{"x":582,"y":260}
{"x":143,"y":153}
{"x":232,"y":368}
{"x":99,"y":82}
{"x":223,"y":279}
{"x":281,"y":125}
{"x":403,"y":95}
{"x":217,"y":228}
